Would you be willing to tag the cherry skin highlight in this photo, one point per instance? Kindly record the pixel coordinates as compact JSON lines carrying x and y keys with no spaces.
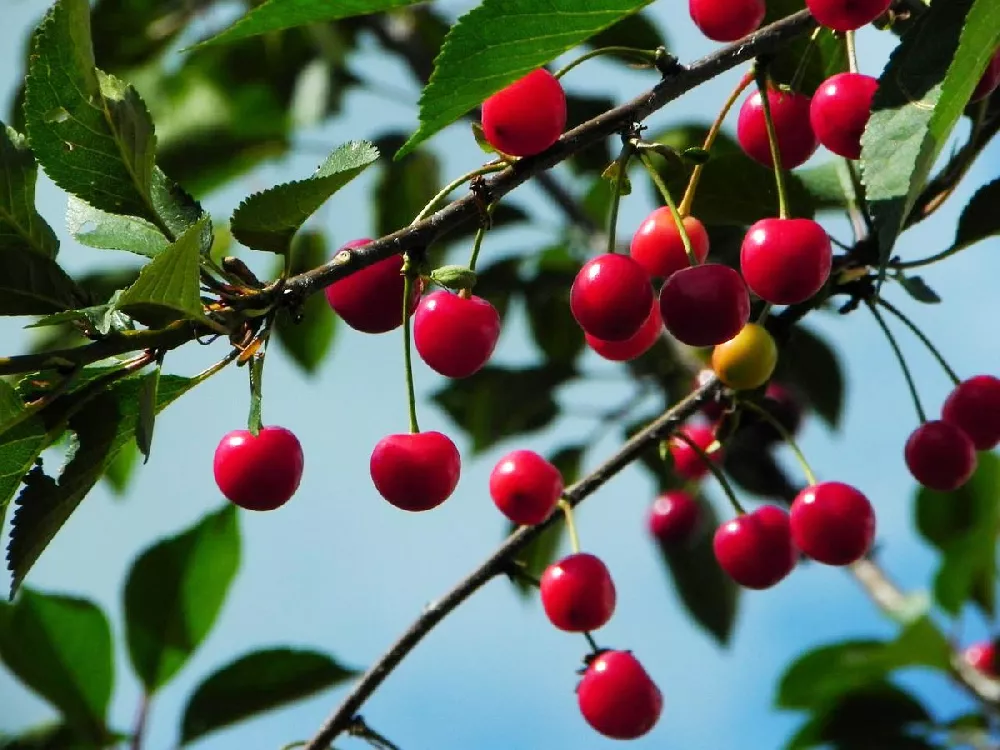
{"x":371,"y":300}
{"x":790,"y":112}
{"x":687,"y":463}
{"x":786,"y":261}
{"x":833,"y":523}
{"x":618,"y":698}
{"x":726,"y":21}
{"x":982,"y":656}
{"x":846,"y":15}
{"x":990,"y":79}
{"x":577,"y":593}
{"x":673,"y":518}
{"x":755,"y":549}
{"x":258,"y":473}
{"x":610,"y":297}
{"x":528,"y":116}
{"x":525,"y":487}
{"x":704,"y":305}
{"x":940,"y":456}
{"x":840,"y":110}
{"x":455,"y":336}
{"x":657,"y":245}
{"x":415,"y":471}
{"x":974,"y":407}
{"x":636,"y":345}
{"x":747,"y":360}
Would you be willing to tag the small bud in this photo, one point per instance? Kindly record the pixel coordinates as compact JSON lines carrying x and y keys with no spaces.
{"x":454,"y":277}
{"x":696,"y":155}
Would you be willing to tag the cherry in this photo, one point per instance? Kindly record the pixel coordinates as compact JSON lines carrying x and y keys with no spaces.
{"x":990,"y":79}
{"x":610,"y":297}
{"x":578,"y":593}
{"x":525,"y":487}
{"x":455,"y":335}
{"x":786,"y":261}
{"x":674,"y":518}
{"x":790,"y":113}
{"x":258,"y":473}
{"x":617,"y":697}
{"x":726,"y":21}
{"x":840,"y":110}
{"x":982,"y":656}
{"x":371,"y":300}
{"x":528,"y":116}
{"x":747,"y":360}
{"x":974,"y":407}
{"x":833,"y":523}
{"x":636,"y":345}
{"x":687,"y":463}
{"x":415,"y":471}
{"x":940,"y":456}
{"x":657,"y":245}
{"x":846,"y":15}
{"x":704,"y":305}
{"x":755,"y":549}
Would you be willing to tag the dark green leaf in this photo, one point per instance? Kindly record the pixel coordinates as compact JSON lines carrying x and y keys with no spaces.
{"x":921,"y":96}
{"x":980,"y":218}
{"x":34,"y":284}
{"x":128,"y":33}
{"x":21,"y":441}
{"x":60,"y":647}
{"x":804,"y":62}
{"x":500,"y":41}
{"x":174,"y":593}
{"x":546,"y":297}
{"x":147,"y":413}
{"x":917,"y":288}
{"x":498,"y":283}
{"x":95,"y":228}
{"x":21,"y":226}
{"x":580,"y":109}
{"x":258,"y":682}
{"x":636,"y":31}
{"x":808,"y":363}
{"x":120,"y":469}
{"x":308,"y":340}
{"x":268,"y":220}
{"x":403,"y":187}
{"x":52,"y":737}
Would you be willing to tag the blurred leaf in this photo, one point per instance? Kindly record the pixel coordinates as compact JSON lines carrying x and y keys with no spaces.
{"x":498,"y":283}
{"x":637,"y":31}
{"x":546,"y":297}
{"x":20,"y":445}
{"x":258,"y":682}
{"x":500,"y":41}
{"x":268,"y":220}
{"x":403,"y":187}
{"x":751,"y":465}
{"x":980,"y":218}
{"x":52,"y":737}
{"x":95,"y":228}
{"x":307,"y":341}
{"x":21,"y":226}
{"x":131,"y":32}
{"x":917,"y":288}
{"x":504,"y":215}
{"x":810,"y":365}
{"x":807,"y":62}
{"x":147,"y":412}
{"x":579,"y":109}
{"x":61,"y":648}
{"x":174,"y":593}
{"x":34,"y":284}
{"x":120,"y":469}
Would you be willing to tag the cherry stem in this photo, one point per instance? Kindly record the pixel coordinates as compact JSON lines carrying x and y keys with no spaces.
{"x":574,"y":540}
{"x":591,"y":642}
{"x":807,"y":53}
{"x":923,"y":338}
{"x":852,"y":53}
{"x":713,"y":133}
{"x":480,"y":233}
{"x":647,"y":161}
{"x":648,"y":56}
{"x":785,"y":435}
{"x":616,"y":196}
{"x":407,"y":355}
{"x":764,"y":312}
{"x":453,"y":185}
{"x":760,"y":76}
{"x":716,"y":471}
{"x":921,"y":415}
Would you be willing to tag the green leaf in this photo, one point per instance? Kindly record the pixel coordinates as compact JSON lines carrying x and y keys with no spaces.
{"x":174,"y":593}
{"x":801,"y":61}
{"x":53,"y":737}
{"x":917,"y":288}
{"x":104,"y":426}
{"x":99,"y":229}
{"x":546,"y":297}
{"x":810,"y":364}
{"x":61,"y":648}
{"x":637,"y":31}
{"x":147,"y":412}
{"x":121,"y":468}
{"x":268,"y":220}
{"x":481,"y":404}
{"x":20,"y":444}
{"x":258,"y":682}
{"x":500,"y":41}
{"x":34,"y":284}
{"x":980,"y":218}
{"x":308,"y":340}
{"x":21,"y":226}
{"x":921,"y":96}
{"x":403,"y":187}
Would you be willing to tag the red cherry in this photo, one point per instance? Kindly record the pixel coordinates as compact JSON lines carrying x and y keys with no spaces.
{"x":726,"y":21}
{"x":705,"y":305}
{"x":790,"y":113}
{"x":974,"y":407}
{"x":840,"y":110}
{"x":833,"y":523}
{"x":687,"y":463}
{"x":755,"y":549}
{"x":657,"y":245}
{"x":415,"y":471}
{"x":578,"y":593}
{"x":990,"y":79}
{"x":846,"y":15}
{"x":611,"y":297}
{"x":982,"y":656}
{"x":786,"y":261}
{"x":525,"y":487}
{"x":940,"y":456}
{"x":636,"y":345}
{"x":618,"y":698}
{"x":674,"y":518}
{"x":528,"y":116}
{"x":455,"y":335}
{"x":259,"y":473}
{"x":371,"y":300}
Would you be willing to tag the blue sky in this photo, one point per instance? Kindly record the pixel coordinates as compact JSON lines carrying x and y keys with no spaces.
{"x":340,"y":570}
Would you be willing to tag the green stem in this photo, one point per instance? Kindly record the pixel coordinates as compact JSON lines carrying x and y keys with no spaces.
{"x":760,"y":76}
{"x":616,"y":196}
{"x":478,"y":242}
{"x":923,"y":339}
{"x":454,"y":184}
{"x":641,"y":55}
{"x":852,"y":53}
{"x":411,"y":396}
{"x":785,"y":435}
{"x":716,"y":471}
{"x":574,"y":540}
{"x":765,"y":311}
{"x":953,"y":250}
{"x":222,"y":363}
{"x":591,"y":642}
{"x":665,"y":192}
{"x":921,"y":415}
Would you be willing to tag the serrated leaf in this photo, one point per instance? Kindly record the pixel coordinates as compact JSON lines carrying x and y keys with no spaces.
{"x":21,"y":442}
{"x":921,"y":96}
{"x":309,"y":340}
{"x":268,"y":220}
{"x":21,"y":226}
{"x":100,"y":318}
{"x":500,"y":41}
{"x":99,"y":229}
{"x":404,"y":187}
{"x":980,"y":218}
{"x":917,"y":288}
{"x":174,"y":593}
{"x":258,"y":682}
{"x":61,"y":648}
